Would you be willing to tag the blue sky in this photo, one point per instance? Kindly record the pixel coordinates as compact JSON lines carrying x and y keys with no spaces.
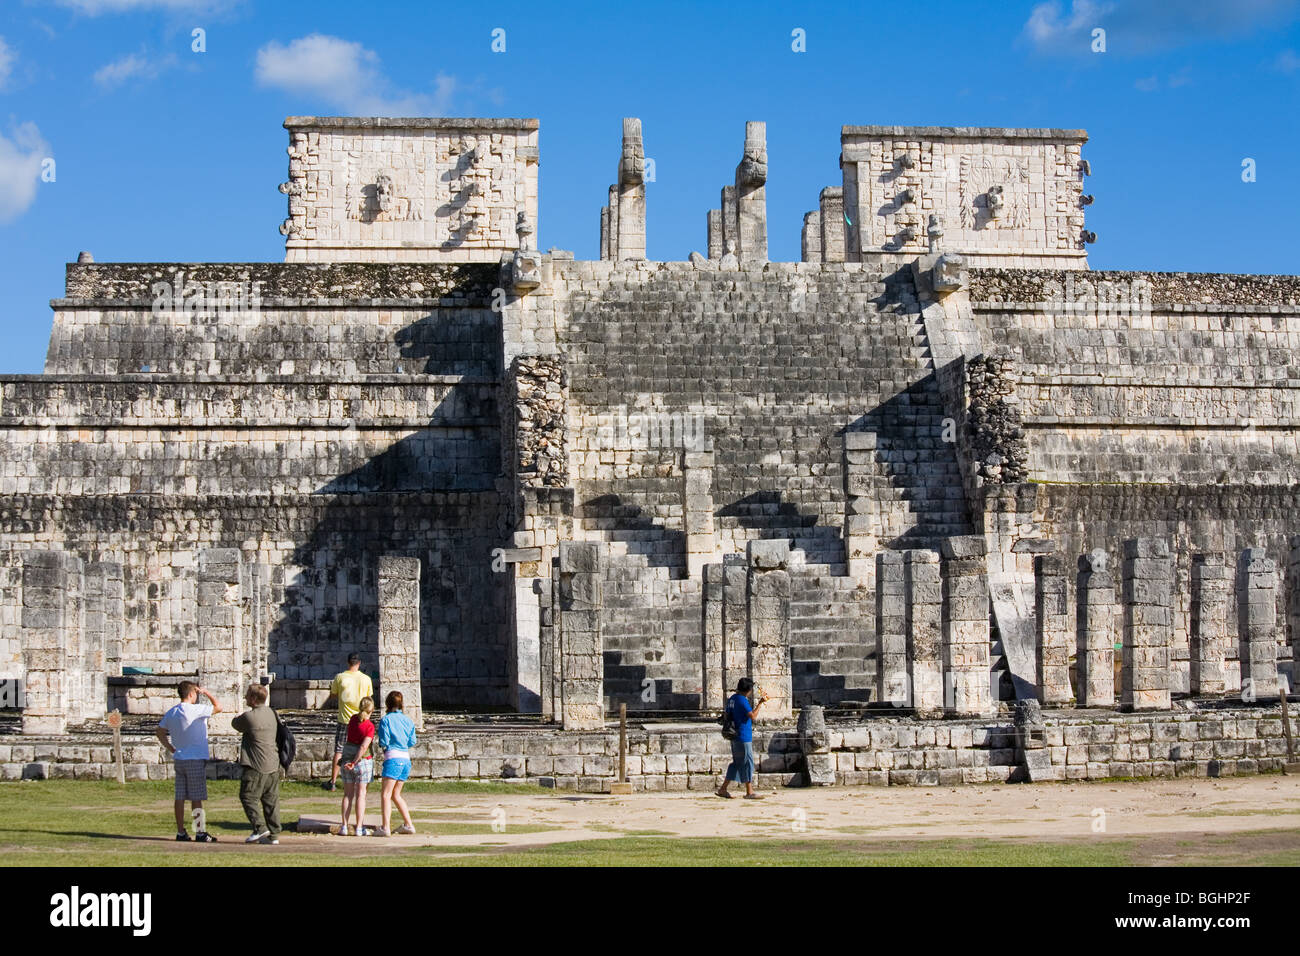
{"x":166,"y":154}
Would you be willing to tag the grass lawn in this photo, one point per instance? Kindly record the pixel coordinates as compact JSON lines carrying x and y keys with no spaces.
{"x":99,"y":823}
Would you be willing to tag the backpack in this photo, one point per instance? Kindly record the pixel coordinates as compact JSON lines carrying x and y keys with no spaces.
{"x":728,"y":722}
{"x":285,"y":744}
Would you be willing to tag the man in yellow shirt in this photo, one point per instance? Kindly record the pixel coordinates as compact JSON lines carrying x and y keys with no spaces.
{"x":348,"y":688}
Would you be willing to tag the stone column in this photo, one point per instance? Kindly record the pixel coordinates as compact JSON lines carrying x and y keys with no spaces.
{"x":220,"y":619}
{"x":582,"y":664}
{"x":891,"y":629}
{"x":966,"y":626}
{"x":1293,"y":606}
{"x":810,"y":239}
{"x":832,"y":223}
{"x":1096,"y":632}
{"x":730,"y":219}
{"x":713,"y":678}
{"x":1148,"y":624}
{"x":1257,"y":614}
{"x":1209,"y":636}
{"x":769,"y":626}
{"x":924,"y":587}
{"x":697,"y":510}
{"x":52,"y":621}
{"x":93,"y":689}
{"x":631,"y":194}
{"x":735,"y":625}
{"x":861,"y":524}
{"x":604,"y":232}
{"x":715,"y":233}
{"x":1055,"y":639}
{"x":751,"y":195}
{"x":399,"y":633}
{"x":546,"y":647}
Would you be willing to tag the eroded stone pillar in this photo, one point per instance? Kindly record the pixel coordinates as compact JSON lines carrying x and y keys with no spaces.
{"x":1096,"y":631}
{"x":735,"y":625}
{"x":714,"y":233}
{"x":1257,"y":615}
{"x":713,"y":678}
{"x":399,"y":633}
{"x":891,"y":628}
{"x":966,"y":626}
{"x":810,"y":238}
{"x":924,"y":586}
{"x":769,"y":626}
{"x":751,"y":195}
{"x":52,"y":621}
{"x":220,"y":620}
{"x":630,"y":235}
{"x":1293,"y":608}
{"x":1148,"y":624}
{"x":697,"y":510}
{"x":582,"y":664}
{"x":1055,"y":637}
{"x":832,"y":224}
{"x":1208,"y":639}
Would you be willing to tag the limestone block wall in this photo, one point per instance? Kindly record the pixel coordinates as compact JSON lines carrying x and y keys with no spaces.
{"x":407,"y":190}
{"x":1150,"y":377}
{"x":1001,"y":194}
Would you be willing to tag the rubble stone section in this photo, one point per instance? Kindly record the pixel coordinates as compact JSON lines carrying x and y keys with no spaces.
{"x":222,"y":632}
{"x":1096,"y":631}
{"x":52,"y":622}
{"x":399,"y":633}
{"x":582,"y":667}
{"x":891,"y":628}
{"x":406,"y":190}
{"x":1148,"y":624}
{"x":966,"y":627}
{"x":1208,"y":639}
{"x":1257,"y":613}
{"x":1055,"y":633}
{"x":769,"y":627}
{"x":924,"y":586}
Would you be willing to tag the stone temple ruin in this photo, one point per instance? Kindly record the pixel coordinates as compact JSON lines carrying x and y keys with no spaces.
{"x":967,"y":509}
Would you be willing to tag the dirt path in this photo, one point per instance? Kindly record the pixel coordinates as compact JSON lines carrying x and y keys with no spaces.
{"x":1060,"y":811}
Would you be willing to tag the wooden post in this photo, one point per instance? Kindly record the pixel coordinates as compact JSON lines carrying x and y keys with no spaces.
{"x":621,"y":785}
{"x":115,"y":721}
{"x":1291,"y":766}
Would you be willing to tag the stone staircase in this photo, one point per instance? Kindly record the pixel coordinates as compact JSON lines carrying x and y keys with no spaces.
{"x":832,"y":638}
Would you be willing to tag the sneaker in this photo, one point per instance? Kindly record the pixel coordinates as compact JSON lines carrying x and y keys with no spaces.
{"x":329,"y":785}
{"x":182,"y":838}
{"x":257,"y":835}
{"x":406,"y":829}
{"x":272,"y":841}
{"x":343,"y":830}
{"x":362,"y":831}
{"x":204,"y":836}
{"x":380,"y":831}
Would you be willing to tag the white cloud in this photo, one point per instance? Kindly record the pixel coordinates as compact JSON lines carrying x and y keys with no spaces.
{"x":7,"y":57}
{"x":1287,"y":62}
{"x":134,"y":66}
{"x":346,"y":76}
{"x":1134,"y":26}
{"x":20,"y":169}
{"x":1049,"y":29}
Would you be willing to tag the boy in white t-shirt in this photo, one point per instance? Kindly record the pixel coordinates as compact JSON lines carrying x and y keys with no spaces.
{"x":183,"y":731}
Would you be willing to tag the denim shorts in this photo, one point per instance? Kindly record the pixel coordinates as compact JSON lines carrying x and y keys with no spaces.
{"x":742,"y":761}
{"x":397,"y":768}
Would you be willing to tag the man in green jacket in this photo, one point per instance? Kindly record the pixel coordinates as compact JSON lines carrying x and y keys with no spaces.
{"x":259,"y":788}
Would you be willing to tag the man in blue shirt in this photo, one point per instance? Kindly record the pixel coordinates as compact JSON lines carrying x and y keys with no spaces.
{"x":742,"y":747}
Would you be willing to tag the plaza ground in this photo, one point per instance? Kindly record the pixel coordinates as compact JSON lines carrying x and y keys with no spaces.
{"x":1249,"y":820}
